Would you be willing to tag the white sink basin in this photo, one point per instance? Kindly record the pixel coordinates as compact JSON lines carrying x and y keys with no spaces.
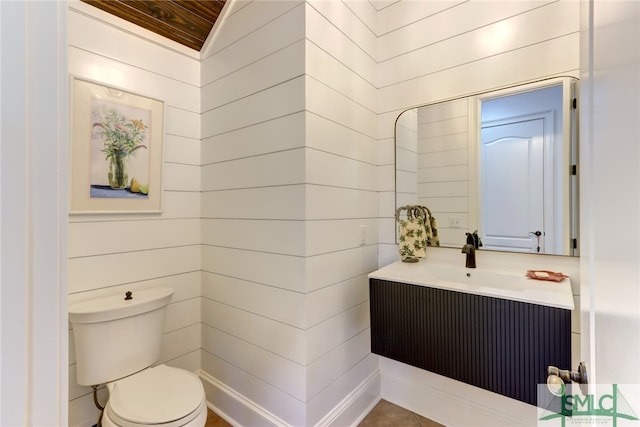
{"x":478,"y":281}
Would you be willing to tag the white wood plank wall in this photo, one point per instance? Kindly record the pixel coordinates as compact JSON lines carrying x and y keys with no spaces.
{"x":443,"y":157}
{"x":433,"y":51}
{"x":115,"y":253}
{"x":341,"y":206}
{"x":289,"y":182}
{"x":253,"y":174}
{"x":279,"y":179}
{"x":406,"y":157}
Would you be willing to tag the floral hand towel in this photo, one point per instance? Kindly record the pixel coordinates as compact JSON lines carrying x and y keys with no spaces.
{"x":416,"y":232}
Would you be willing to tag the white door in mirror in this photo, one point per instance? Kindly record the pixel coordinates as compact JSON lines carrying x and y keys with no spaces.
{"x":512,"y":175}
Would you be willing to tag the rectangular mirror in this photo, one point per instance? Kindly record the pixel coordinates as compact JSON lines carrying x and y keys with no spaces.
{"x":502,"y":162}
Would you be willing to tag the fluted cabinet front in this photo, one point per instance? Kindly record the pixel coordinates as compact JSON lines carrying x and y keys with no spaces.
{"x":499,"y":345}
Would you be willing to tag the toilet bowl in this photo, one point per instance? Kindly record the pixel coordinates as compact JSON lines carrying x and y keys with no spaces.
{"x":161,"y":395}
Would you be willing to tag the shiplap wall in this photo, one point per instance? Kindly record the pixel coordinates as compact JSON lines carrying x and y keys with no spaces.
{"x":289,"y":185}
{"x":115,"y":253}
{"x":443,"y":159}
{"x":298,"y":103}
{"x":406,"y":157}
{"x":341,"y":210}
{"x":432,"y":51}
{"x":253,"y":153}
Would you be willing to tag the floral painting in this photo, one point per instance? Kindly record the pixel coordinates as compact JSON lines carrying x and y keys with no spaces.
{"x":116,"y":150}
{"x":119,"y":150}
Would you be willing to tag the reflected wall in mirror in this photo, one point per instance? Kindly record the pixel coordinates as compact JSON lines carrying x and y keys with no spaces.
{"x":502,"y":162}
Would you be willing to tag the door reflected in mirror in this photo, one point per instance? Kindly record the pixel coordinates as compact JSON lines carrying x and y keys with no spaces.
{"x":500,"y":162}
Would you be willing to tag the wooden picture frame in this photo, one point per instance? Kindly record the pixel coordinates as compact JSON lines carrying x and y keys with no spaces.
{"x":116,"y":150}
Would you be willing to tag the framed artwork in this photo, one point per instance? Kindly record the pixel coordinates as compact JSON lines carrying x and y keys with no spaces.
{"x":116,"y":150}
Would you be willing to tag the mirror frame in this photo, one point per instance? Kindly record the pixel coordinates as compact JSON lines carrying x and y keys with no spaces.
{"x":570,"y":122}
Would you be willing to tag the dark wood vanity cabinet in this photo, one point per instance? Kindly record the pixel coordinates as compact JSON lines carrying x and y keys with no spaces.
{"x":500,"y":345}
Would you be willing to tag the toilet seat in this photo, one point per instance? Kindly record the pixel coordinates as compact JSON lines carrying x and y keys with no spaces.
{"x":160,"y":395}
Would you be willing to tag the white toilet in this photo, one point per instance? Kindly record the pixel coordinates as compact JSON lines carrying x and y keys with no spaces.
{"x":117,"y":340}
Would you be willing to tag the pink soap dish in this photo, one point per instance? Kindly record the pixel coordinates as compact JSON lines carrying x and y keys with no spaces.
{"x":546,"y":275}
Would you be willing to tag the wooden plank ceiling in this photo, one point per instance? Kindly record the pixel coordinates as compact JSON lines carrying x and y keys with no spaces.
{"x":187,"y":22}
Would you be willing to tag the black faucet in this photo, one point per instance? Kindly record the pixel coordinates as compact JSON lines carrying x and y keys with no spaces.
{"x":473,"y":243}
{"x":474,"y":239}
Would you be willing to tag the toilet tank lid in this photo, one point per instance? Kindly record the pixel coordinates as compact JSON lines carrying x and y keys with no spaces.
{"x":116,"y":306}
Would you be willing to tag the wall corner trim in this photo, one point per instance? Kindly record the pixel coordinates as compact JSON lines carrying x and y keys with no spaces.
{"x":213,"y":387}
{"x":340,"y":414}
{"x":349,"y":411}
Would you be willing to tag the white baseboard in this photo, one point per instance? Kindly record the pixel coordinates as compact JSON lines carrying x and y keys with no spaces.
{"x":356,"y":405}
{"x":245,"y":411}
{"x":349,"y":412}
{"x":450,"y":402}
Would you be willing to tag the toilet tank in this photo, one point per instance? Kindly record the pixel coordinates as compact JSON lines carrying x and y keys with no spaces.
{"x":116,"y":336}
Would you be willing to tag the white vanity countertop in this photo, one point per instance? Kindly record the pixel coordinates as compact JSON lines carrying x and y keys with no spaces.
{"x":509,"y":285}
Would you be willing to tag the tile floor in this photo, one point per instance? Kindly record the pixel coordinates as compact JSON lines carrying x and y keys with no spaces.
{"x":214,"y":420}
{"x":384,"y":414}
